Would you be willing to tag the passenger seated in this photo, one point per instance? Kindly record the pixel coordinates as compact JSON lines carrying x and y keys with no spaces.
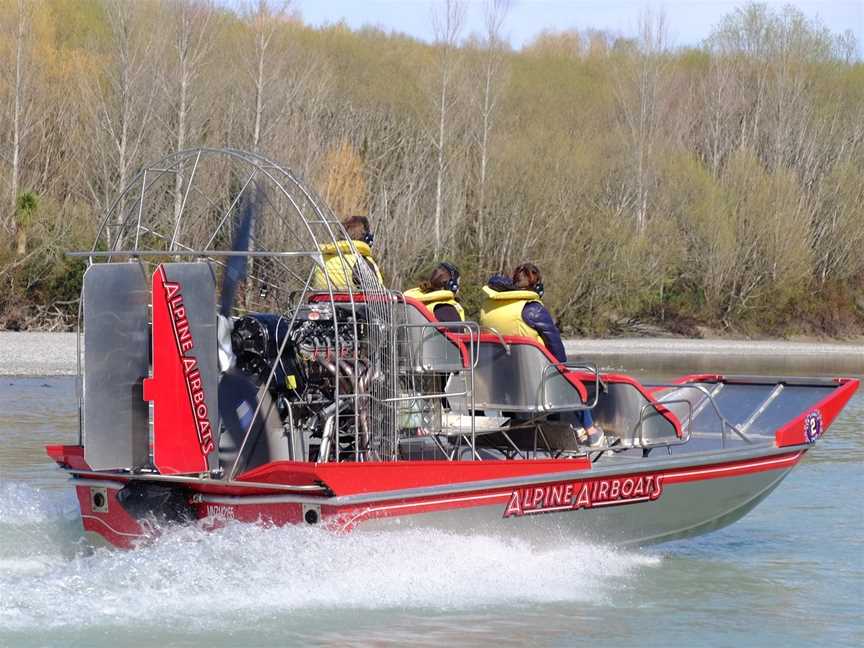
{"x":438,"y":293}
{"x":345,"y":269}
{"x":513,"y":307}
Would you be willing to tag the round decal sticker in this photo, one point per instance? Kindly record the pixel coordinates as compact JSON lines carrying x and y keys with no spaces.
{"x":813,"y":426}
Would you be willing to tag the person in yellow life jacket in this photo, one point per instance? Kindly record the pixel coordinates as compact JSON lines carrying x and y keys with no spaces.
{"x":438,"y":293}
{"x":341,"y":265}
{"x":513,"y":306}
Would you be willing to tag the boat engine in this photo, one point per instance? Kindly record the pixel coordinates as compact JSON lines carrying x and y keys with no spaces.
{"x":301,"y":354}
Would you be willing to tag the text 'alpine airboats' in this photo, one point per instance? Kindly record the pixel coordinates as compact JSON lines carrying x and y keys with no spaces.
{"x":305,"y":403}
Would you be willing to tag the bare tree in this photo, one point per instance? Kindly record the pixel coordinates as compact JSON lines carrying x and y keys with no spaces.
{"x":494,"y":50}
{"x":264,"y":64}
{"x":120,"y":106}
{"x":20,"y":82}
{"x":447,"y":24}
{"x":192,"y":31}
{"x":640,"y":95}
{"x":720,"y":100}
{"x":400,"y":191}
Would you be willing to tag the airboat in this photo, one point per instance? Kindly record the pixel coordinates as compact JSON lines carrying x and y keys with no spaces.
{"x":225,"y":375}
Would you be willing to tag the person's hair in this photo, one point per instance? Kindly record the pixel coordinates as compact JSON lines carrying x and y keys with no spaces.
{"x":438,"y":280}
{"x":356,"y":227}
{"x":526,"y":276}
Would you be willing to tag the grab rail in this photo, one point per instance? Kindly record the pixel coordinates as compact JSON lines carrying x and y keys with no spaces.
{"x":724,"y":422}
{"x":653,"y":408}
{"x":569,"y":366}
{"x":500,"y":337}
{"x":470,"y":328}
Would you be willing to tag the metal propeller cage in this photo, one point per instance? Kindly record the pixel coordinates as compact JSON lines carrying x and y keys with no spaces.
{"x":185,"y":208}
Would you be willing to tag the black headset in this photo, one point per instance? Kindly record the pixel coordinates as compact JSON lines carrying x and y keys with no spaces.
{"x":538,"y":288}
{"x":453,"y":283}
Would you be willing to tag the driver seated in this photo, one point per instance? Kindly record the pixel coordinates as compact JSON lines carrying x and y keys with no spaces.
{"x":342,"y":266}
{"x":438,"y":293}
{"x":513,"y":306}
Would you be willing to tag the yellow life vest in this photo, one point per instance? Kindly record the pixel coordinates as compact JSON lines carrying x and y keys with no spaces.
{"x":340,"y":267}
{"x":436,"y":298}
{"x":502,"y":311}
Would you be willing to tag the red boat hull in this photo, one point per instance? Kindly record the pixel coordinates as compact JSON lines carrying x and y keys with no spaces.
{"x":624,"y":507}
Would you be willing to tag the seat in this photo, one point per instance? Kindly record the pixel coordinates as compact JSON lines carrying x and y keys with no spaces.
{"x":517,"y":374}
{"x":626,"y":410}
{"x":429,"y":348}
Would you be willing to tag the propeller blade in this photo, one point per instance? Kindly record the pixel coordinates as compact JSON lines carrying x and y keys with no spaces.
{"x":235,"y":268}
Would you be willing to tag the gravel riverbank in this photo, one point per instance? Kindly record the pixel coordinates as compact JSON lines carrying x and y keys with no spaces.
{"x":37,"y":354}
{"x":53,"y":354}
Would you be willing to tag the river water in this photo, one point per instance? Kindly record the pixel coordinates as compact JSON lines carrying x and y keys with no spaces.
{"x":790,"y":573}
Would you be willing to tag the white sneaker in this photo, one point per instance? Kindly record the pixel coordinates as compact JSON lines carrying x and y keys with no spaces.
{"x":597,"y":440}
{"x":581,"y":434}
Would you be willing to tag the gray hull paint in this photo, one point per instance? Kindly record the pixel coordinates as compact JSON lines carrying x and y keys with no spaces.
{"x":684,"y":510}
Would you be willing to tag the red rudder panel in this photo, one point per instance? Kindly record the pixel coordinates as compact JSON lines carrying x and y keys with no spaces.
{"x":183,"y":436}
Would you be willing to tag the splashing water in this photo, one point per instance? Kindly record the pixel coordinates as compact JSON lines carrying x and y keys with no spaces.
{"x":22,"y":505}
{"x":248,"y":571}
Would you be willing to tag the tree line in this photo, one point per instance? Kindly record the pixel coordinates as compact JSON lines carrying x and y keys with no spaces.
{"x":720,"y":185}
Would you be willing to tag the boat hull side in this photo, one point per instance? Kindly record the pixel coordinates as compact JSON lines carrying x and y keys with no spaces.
{"x":684,"y":510}
{"x":624,"y":508}
{"x":688,"y":505}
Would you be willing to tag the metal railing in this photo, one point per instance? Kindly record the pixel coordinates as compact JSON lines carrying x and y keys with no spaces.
{"x":469,"y":328}
{"x":416,"y":359}
{"x":654,"y":409}
{"x":493,"y":331}
{"x":550,"y":372}
{"x":708,"y":399}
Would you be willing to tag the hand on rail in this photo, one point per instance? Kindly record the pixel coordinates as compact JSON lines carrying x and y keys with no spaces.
{"x":500,"y":337}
